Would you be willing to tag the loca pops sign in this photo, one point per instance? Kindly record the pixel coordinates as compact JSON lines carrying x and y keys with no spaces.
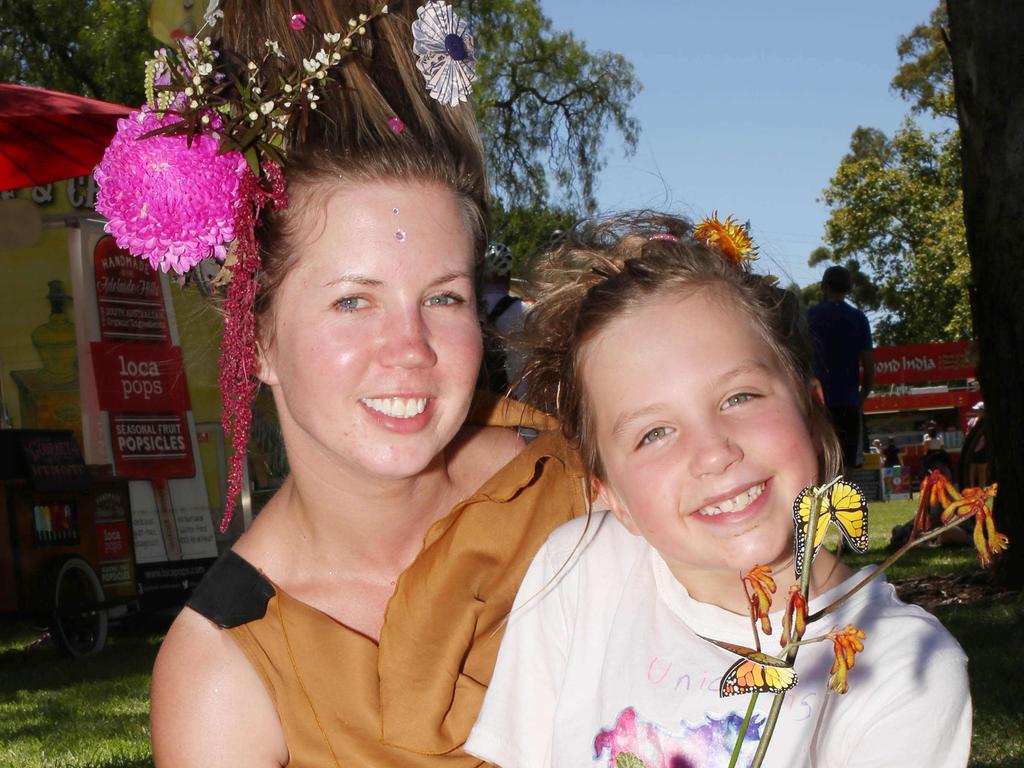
{"x":139,"y":377}
{"x":140,"y":380}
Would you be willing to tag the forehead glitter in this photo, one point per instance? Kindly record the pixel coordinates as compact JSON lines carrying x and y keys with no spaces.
{"x":394,"y":211}
{"x":400,"y":235}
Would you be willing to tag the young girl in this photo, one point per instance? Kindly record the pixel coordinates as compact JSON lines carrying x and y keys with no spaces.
{"x":685,"y":381}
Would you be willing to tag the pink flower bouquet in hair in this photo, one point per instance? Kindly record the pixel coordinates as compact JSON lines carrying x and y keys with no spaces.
{"x":168,"y":202}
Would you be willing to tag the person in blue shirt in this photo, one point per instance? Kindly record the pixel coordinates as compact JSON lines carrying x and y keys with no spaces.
{"x":843,"y":360}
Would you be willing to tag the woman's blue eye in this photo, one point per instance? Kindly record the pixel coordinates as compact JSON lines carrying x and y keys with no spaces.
{"x":444,"y":299}
{"x":658,"y":433}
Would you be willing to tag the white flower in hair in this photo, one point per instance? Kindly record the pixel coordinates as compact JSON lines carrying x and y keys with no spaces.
{"x":445,"y":52}
{"x":213,"y":14}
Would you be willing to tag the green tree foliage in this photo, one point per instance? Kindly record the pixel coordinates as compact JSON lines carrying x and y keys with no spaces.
{"x":925,"y":76}
{"x":95,"y":48}
{"x":529,"y":231}
{"x":896,"y":206}
{"x":544,"y":101}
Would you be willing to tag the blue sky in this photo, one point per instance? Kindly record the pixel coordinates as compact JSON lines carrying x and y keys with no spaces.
{"x":747,"y":107}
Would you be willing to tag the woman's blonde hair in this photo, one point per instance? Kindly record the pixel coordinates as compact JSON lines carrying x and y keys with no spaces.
{"x":606,"y":268}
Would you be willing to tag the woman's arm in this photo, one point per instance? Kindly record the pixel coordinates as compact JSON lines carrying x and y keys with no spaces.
{"x":209,"y":706}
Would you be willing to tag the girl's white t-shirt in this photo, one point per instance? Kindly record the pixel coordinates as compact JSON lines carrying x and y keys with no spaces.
{"x":601,"y":658}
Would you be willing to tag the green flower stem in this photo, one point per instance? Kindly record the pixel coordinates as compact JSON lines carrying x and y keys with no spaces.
{"x":884,"y":565}
{"x":743,"y":731}
{"x":808,"y":641}
{"x":792,"y":648}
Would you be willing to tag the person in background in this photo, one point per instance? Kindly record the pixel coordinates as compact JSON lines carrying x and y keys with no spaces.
{"x":932,"y":439}
{"x":502,"y":315}
{"x":935,"y":454}
{"x":843,"y":359}
{"x":891,"y":454}
{"x":977,"y":459}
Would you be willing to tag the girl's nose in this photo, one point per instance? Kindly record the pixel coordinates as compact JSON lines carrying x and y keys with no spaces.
{"x":714,"y":454}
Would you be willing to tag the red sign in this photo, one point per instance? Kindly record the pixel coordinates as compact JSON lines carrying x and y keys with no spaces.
{"x":128,"y":292}
{"x":113,"y":540}
{"x":916,"y":363}
{"x":148,"y":445}
{"x":139,"y":377}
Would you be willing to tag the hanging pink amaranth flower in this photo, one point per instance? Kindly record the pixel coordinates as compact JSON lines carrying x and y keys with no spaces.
{"x":167,"y":202}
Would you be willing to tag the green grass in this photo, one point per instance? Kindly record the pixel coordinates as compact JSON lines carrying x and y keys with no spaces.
{"x":57,"y":712}
{"x":882,"y":516}
{"x":991,"y":632}
{"x":61,"y":713}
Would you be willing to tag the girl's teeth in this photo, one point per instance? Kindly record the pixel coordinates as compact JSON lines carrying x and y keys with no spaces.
{"x":736,"y":503}
{"x":397,"y":407}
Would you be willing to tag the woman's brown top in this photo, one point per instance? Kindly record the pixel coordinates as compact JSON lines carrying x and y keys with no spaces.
{"x":410,"y":700}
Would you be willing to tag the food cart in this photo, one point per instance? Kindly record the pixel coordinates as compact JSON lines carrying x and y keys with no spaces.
{"x":66,"y":552}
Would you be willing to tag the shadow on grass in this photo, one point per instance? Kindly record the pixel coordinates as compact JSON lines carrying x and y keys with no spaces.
{"x":45,"y":667}
{"x":992,"y":634}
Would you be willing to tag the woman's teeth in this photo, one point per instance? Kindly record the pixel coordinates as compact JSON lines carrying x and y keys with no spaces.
{"x":397,"y":407}
{"x":735,"y":504}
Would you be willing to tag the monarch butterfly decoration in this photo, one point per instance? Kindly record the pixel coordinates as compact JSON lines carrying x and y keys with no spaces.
{"x":844,"y":505}
{"x":754,"y":672}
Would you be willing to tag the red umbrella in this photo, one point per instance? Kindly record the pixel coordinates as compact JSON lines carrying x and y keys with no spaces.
{"x":47,"y":135}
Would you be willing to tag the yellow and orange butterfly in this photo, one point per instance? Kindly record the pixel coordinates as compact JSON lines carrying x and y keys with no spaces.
{"x":755,"y":671}
{"x":844,"y":505}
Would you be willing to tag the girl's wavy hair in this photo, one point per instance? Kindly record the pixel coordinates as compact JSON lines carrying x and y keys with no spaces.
{"x":349,"y":139}
{"x":608,"y":267}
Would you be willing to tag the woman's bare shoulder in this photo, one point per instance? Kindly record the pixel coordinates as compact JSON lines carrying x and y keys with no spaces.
{"x":498,"y":445}
{"x":478,"y":452}
{"x":209,"y":705}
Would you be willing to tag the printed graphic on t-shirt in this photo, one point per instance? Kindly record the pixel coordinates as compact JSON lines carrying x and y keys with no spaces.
{"x":635,"y":743}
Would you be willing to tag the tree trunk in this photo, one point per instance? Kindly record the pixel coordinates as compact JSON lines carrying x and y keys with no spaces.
{"x":987,"y":47}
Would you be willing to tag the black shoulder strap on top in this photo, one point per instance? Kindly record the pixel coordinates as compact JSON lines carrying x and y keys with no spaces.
{"x":232,"y":592}
{"x":503,"y":304}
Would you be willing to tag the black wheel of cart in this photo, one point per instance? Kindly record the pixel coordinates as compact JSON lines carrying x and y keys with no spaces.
{"x":78,"y":623}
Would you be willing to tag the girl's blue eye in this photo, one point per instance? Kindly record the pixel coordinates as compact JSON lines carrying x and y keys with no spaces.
{"x":350,"y":303}
{"x":658,"y":433}
{"x":742,"y":397}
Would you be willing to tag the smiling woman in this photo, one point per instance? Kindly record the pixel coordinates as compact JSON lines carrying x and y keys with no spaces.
{"x":358,"y":619}
{"x":384,"y":329}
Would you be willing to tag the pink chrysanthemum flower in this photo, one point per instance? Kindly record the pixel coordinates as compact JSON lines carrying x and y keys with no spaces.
{"x":167,"y":202}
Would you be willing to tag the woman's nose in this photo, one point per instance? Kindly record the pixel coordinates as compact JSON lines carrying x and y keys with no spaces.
{"x":406,"y":342}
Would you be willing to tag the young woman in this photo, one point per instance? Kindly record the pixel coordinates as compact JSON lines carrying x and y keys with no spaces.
{"x":357,"y":621}
{"x":685,"y":380}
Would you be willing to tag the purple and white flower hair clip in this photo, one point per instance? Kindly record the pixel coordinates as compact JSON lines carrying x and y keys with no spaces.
{"x":445,"y":54}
